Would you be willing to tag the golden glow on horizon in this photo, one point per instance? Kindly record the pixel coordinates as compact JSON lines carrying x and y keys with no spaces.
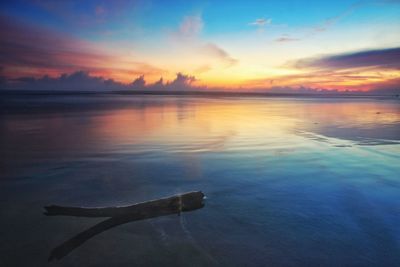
{"x":224,"y":123}
{"x":251,"y":63}
{"x":339,"y":47}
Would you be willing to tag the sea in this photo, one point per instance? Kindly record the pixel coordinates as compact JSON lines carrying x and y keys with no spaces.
{"x":288,"y":181}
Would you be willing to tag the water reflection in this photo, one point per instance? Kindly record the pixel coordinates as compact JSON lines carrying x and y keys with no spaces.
{"x":191,"y":126}
{"x":291,"y":182}
{"x":195,"y":125}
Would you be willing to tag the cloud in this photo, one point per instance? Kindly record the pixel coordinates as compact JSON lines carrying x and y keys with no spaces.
{"x":29,"y":46}
{"x":77,"y":81}
{"x":188,"y":30}
{"x":362,"y":70}
{"x":181,"y":82}
{"x":191,"y":26}
{"x":158,"y":84}
{"x":29,"y":50}
{"x":139,"y":82}
{"x":322,"y":26}
{"x":83,"y":81}
{"x":203,"y":68}
{"x":388,"y":58}
{"x":187,"y":42}
{"x":218,"y":52}
{"x":391,"y":86}
{"x":261,"y":22}
{"x":325,"y":25}
{"x":286,"y":39}
{"x":328,"y":23}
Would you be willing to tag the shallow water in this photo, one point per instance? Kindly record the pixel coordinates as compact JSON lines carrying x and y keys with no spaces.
{"x":289,"y":182}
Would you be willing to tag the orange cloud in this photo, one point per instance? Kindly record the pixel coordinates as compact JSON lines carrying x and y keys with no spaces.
{"x":358,"y":71}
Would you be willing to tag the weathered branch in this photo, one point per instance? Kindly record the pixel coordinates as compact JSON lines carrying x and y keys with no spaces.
{"x":185,"y":202}
{"x":121,"y":215}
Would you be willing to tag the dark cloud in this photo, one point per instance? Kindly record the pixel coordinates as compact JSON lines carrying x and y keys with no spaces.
{"x":299,"y":90}
{"x":139,"y":82}
{"x":83,"y":81}
{"x":381,"y":59}
{"x":391,"y":87}
{"x":182,"y":82}
{"x":158,"y":84}
{"x":77,"y":81}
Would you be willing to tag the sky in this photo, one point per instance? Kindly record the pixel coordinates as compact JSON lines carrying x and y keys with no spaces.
{"x":227,"y":45}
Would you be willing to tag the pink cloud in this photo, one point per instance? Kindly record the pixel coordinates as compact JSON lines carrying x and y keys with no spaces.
{"x":32,"y":50}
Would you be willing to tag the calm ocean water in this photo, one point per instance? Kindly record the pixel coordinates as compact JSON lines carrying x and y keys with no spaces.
{"x":289,"y":181}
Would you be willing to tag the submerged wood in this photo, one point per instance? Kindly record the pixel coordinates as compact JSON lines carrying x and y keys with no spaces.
{"x":121,"y":215}
{"x":175,"y":204}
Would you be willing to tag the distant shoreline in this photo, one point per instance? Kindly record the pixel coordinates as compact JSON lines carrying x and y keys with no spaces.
{"x":194,"y":93}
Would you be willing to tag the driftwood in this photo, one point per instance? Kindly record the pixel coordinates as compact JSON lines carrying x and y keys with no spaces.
{"x":121,"y":215}
{"x":164,"y":206}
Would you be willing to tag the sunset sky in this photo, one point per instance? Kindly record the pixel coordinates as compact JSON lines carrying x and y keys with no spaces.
{"x":238,"y":45}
